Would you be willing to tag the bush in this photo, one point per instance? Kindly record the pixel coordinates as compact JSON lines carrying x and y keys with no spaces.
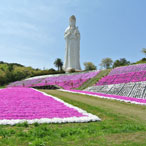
{"x":121,"y":62}
{"x":72,"y":70}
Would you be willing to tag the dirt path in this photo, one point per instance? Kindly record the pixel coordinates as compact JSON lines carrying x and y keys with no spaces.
{"x":131,"y":111}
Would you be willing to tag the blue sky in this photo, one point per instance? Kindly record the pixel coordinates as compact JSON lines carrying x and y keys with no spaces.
{"x":32,"y":31}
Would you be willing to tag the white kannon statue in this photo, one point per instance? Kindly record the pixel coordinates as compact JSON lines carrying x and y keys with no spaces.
{"x":72,"y":50}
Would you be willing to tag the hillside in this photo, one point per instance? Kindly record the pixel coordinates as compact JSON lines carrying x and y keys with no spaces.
{"x":10,"y":72}
{"x":65,"y":81}
{"x":129,"y":81}
{"x":143,"y":60}
{"x":94,"y":80}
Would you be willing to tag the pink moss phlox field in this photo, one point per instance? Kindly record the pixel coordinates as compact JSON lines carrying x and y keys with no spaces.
{"x":109,"y":96}
{"x":128,"y":69}
{"x":123,"y":78}
{"x":64,"y":81}
{"x":18,"y":103}
{"x":126,"y":74}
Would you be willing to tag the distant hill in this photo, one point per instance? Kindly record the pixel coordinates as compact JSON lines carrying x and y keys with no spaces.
{"x":17,"y":64}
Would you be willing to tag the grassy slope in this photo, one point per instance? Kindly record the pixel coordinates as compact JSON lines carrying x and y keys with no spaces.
{"x":94,"y":80}
{"x":122,"y":124}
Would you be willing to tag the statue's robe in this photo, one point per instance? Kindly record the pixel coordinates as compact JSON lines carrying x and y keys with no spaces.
{"x":72,"y":50}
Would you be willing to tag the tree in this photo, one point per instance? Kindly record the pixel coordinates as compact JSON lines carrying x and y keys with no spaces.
{"x":106,"y":62}
{"x":58,"y":63}
{"x":3,"y":77}
{"x":89,"y":66}
{"x":121,"y":62}
{"x":144,"y":51}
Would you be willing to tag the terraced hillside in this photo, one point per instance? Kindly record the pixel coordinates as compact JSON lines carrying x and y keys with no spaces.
{"x":65,"y":81}
{"x":129,"y":81}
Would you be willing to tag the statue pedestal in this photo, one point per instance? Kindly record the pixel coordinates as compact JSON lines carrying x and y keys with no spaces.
{"x":75,"y":70}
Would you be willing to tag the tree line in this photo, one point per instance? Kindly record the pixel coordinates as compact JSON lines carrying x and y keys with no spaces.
{"x":106,"y":63}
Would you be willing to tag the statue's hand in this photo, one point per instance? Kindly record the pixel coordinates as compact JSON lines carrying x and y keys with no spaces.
{"x":76,"y":32}
{"x":69,"y":32}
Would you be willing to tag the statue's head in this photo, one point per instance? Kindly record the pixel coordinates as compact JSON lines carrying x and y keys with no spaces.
{"x":72,"y":21}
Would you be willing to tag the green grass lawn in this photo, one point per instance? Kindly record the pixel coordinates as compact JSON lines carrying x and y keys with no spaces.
{"x":1,"y":87}
{"x":122,"y":124}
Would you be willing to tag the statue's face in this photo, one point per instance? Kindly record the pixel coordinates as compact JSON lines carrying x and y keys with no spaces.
{"x":72,"y":23}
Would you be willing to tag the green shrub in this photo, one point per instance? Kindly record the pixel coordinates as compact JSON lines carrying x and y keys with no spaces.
{"x":72,"y":70}
{"x":38,"y":142}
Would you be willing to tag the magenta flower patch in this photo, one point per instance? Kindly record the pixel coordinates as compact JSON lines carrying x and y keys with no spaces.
{"x":128,"y":69}
{"x":125,"y":74}
{"x":69,"y":81}
{"x":25,"y":104}
{"x":123,"y":78}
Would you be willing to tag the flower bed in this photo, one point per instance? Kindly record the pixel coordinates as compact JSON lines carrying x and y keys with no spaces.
{"x":18,"y":105}
{"x":123,"y":78}
{"x":115,"y":97}
{"x":64,"y":81}
{"x":128,"y":69}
